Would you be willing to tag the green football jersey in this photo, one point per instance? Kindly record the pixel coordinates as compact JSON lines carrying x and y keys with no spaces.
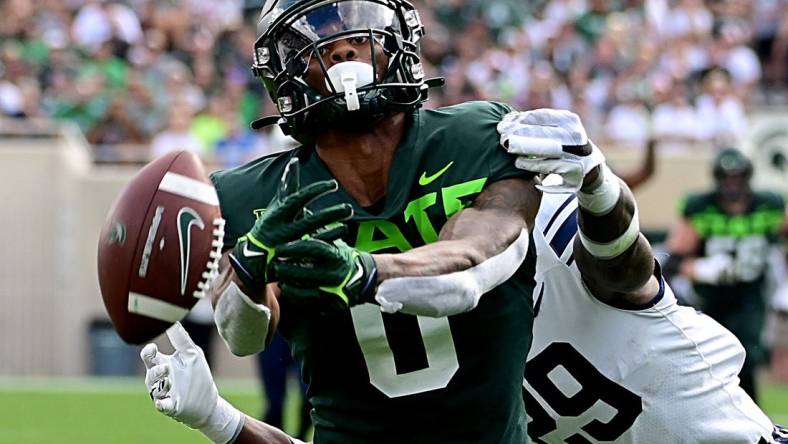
{"x":739,"y":305}
{"x":393,"y":378}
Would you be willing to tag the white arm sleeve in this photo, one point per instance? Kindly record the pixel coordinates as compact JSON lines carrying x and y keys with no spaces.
{"x":242,"y":324}
{"x":454,"y":293}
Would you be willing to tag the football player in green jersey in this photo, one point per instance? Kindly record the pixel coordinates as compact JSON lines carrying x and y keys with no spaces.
{"x":374,"y":269}
{"x":390,"y":224}
{"x":722,"y":245}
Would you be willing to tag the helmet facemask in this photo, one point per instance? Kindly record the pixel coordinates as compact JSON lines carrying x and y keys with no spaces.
{"x":355,"y":94}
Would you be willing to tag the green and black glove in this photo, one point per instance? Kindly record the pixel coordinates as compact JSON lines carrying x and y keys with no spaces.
{"x":282,"y":223}
{"x":314,"y":268}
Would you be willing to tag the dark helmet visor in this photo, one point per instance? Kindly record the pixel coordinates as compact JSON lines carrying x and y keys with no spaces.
{"x":327,"y":20}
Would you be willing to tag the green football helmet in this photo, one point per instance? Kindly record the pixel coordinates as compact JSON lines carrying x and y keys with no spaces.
{"x":291,"y":32}
{"x":730,"y":161}
{"x":732,"y":173}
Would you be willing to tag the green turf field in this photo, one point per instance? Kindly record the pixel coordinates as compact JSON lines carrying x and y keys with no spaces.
{"x":102,"y":411}
{"x":119,"y":411}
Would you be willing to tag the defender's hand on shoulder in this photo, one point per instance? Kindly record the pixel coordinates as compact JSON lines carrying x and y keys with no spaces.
{"x":550,"y":141}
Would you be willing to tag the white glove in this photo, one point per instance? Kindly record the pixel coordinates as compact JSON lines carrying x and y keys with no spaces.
{"x":717,"y":269}
{"x":550,"y":141}
{"x":181,"y":387}
{"x":780,"y":298}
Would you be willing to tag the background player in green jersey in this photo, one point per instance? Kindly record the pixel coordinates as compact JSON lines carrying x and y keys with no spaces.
{"x":374,"y":269}
{"x":722,"y":245}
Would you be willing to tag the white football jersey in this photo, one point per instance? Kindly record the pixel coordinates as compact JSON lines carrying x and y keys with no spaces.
{"x":655,"y":374}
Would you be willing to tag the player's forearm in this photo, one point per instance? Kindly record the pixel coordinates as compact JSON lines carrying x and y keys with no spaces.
{"x":625,"y":276}
{"x":614,"y":258}
{"x":606,"y":225}
{"x":266,"y":295}
{"x":226,"y":277}
{"x":258,"y":432}
{"x":245,"y":318}
{"x":494,"y":222}
{"x":478,"y":249}
{"x":459,"y":247}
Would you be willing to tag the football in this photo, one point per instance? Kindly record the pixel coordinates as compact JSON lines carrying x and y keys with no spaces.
{"x":159,"y":247}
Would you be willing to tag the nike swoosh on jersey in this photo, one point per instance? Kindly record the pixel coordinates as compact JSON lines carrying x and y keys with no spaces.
{"x":424,"y":180}
{"x":187,"y":218}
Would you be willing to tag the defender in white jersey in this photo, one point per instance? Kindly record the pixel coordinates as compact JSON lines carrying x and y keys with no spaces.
{"x":614,"y":358}
{"x":656,"y":373}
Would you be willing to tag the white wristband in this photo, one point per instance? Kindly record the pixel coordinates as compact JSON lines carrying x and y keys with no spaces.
{"x":242,"y":324}
{"x":224,"y":424}
{"x":603,"y":198}
{"x":614,"y":248}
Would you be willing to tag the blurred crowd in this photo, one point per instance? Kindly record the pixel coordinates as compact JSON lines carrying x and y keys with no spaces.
{"x":172,"y":74}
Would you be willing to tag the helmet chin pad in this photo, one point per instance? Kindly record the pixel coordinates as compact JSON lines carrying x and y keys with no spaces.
{"x":347,"y":77}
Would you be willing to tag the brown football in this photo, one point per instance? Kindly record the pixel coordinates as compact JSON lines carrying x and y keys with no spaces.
{"x":159,"y":246}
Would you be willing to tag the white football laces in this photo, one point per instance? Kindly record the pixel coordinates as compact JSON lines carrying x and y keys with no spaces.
{"x":212,"y":267}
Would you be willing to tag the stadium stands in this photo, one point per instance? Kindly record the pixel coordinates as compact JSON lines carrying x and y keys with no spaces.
{"x":126,"y":70}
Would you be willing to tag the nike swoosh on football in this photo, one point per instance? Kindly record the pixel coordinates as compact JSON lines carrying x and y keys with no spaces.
{"x":424,"y":180}
{"x":187,"y":217}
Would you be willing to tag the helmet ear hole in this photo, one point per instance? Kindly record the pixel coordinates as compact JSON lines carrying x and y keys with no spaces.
{"x":392,"y":43}
{"x":296,"y":67}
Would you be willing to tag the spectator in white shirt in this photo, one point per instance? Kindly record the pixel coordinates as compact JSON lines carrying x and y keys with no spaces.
{"x":675,"y":119}
{"x":690,"y":17}
{"x":628,"y":121}
{"x":737,"y":58}
{"x":177,"y":135}
{"x":11,"y":99}
{"x":720,"y":112}
{"x":98,"y":22}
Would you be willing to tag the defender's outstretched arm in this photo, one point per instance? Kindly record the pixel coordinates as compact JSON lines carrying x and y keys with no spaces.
{"x":615,"y":260}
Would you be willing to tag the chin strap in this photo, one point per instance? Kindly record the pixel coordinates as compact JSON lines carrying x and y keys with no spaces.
{"x":436,"y":82}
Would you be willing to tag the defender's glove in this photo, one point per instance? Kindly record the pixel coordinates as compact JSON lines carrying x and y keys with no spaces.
{"x":550,"y":141}
{"x":314,"y":268}
{"x":181,"y":387}
{"x":280,"y":224}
